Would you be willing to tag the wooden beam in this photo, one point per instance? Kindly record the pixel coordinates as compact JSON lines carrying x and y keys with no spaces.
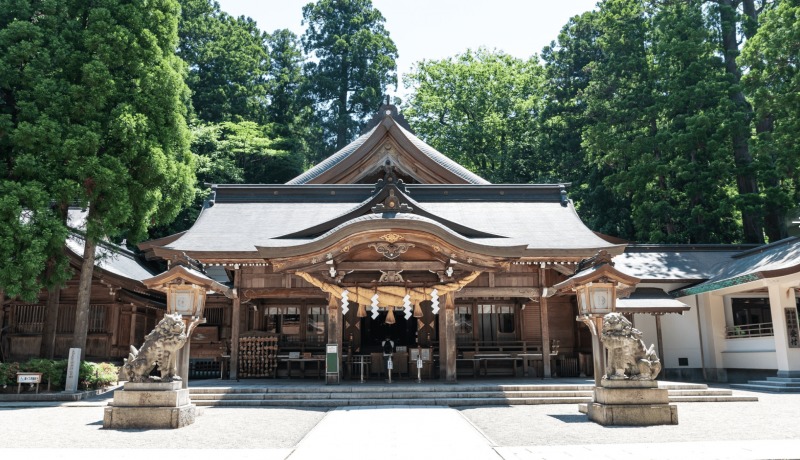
{"x":263,"y":293}
{"x":530,"y":293}
{"x":391,"y":265}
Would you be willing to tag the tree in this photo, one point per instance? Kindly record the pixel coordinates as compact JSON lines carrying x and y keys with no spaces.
{"x":228,"y":63}
{"x":352,"y":64}
{"x":568,"y":65}
{"x":730,"y":22}
{"x":290,"y":111}
{"x":479,"y":108}
{"x":659,"y":110}
{"x":102,"y":113}
{"x":773,"y":85}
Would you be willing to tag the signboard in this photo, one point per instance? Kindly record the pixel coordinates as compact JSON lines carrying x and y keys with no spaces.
{"x":29,"y":377}
{"x":294,"y":355}
{"x":73,"y":370}
{"x":332,"y":358}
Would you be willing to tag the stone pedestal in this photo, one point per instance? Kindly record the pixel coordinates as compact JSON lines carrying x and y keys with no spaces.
{"x":150,"y":405}
{"x":632,"y":403}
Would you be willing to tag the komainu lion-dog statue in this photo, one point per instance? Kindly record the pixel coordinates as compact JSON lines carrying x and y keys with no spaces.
{"x":627,"y":356}
{"x":160,"y":349}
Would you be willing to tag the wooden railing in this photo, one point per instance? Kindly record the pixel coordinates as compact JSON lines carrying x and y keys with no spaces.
{"x":744,"y":331}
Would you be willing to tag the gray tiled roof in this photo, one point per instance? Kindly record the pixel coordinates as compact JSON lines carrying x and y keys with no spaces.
{"x":782,"y":257}
{"x":109,"y":257}
{"x":438,"y":157}
{"x":673,"y":262}
{"x":232,"y":226}
{"x":332,"y":160}
{"x":443,"y":160}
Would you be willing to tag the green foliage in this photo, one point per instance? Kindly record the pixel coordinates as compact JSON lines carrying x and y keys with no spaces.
{"x":97,"y":375}
{"x":228,"y":63}
{"x":31,"y":234}
{"x":352,"y":64}
{"x":8,"y":374}
{"x":54,"y":372}
{"x":773,"y":84}
{"x":480,"y":107}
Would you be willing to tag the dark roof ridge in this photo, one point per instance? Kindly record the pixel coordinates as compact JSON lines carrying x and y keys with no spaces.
{"x":657,"y":247}
{"x":766,"y":247}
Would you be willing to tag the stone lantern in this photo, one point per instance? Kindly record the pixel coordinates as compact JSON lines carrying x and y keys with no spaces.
{"x":186,"y":290}
{"x":625,"y":392}
{"x":597,"y":285}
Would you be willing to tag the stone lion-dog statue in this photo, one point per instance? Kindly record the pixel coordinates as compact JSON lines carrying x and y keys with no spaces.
{"x":628,"y":358}
{"x":160,"y":349}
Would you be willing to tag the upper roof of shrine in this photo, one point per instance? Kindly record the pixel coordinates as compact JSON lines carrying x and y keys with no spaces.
{"x":387,"y":180}
{"x":389,"y":140}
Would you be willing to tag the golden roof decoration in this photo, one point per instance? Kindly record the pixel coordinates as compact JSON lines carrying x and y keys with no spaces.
{"x":392,"y":238}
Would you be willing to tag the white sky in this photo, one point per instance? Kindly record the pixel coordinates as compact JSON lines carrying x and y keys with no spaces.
{"x":436,"y":29}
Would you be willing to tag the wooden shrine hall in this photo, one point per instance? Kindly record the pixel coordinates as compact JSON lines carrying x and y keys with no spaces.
{"x":388,"y":238}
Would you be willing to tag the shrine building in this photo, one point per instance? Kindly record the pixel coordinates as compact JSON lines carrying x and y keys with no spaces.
{"x":389,"y":238}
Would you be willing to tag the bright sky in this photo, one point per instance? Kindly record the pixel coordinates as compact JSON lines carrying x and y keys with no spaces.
{"x":436,"y":29}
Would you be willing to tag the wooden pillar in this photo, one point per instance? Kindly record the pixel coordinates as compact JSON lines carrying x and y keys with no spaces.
{"x":447,"y":339}
{"x":335,"y":320}
{"x":660,"y":341}
{"x":236,"y":314}
{"x":546,"y":372}
{"x":132,"y":339}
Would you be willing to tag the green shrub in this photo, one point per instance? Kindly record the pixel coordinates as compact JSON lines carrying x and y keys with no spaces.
{"x":53,"y":372}
{"x":97,"y":375}
{"x":8,"y":374}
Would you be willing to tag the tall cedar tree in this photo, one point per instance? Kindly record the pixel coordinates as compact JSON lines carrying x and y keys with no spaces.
{"x":773,"y":85}
{"x":228,"y":63}
{"x":33,"y":230}
{"x":659,"y":112}
{"x":568,"y":64}
{"x":352,"y":65}
{"x":731,"y":23}
{"x":114,"y":99}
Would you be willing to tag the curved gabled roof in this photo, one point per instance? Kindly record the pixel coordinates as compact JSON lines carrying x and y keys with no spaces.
{"x":443,"y":160}
{"x":364,"y":146}
{"x":332,"y":160}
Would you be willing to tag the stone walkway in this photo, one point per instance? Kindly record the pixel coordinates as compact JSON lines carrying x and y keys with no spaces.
{"x":740,"y":430}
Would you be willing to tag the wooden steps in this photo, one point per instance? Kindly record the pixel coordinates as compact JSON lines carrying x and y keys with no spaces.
{"x":427,"y":394}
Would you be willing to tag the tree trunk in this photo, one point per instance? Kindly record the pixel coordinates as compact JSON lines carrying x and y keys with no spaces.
{"x":745,"y":176}
{"x":48,"y":346}
{"x":84,"y":298}
{"x":342,"y":118}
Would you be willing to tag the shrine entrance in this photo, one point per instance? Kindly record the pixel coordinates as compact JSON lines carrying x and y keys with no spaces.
{"x":373,"y":331}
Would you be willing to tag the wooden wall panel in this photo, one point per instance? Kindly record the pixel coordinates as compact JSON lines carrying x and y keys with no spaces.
{"x":561,"y":314}
{"x":532,"y":327}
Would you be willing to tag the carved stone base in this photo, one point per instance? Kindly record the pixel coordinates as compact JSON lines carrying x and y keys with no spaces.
{"x":150,"y":405}
{"x":632,"y":403}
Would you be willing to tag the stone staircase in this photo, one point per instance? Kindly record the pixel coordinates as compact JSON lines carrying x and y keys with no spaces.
{"x":427,"y":394}
{"x":772,"y":384}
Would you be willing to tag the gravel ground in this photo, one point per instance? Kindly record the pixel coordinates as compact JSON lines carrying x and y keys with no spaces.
{"x":79,"y":425}
{"x":773,"y":417}
{"x":217,"y":428}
